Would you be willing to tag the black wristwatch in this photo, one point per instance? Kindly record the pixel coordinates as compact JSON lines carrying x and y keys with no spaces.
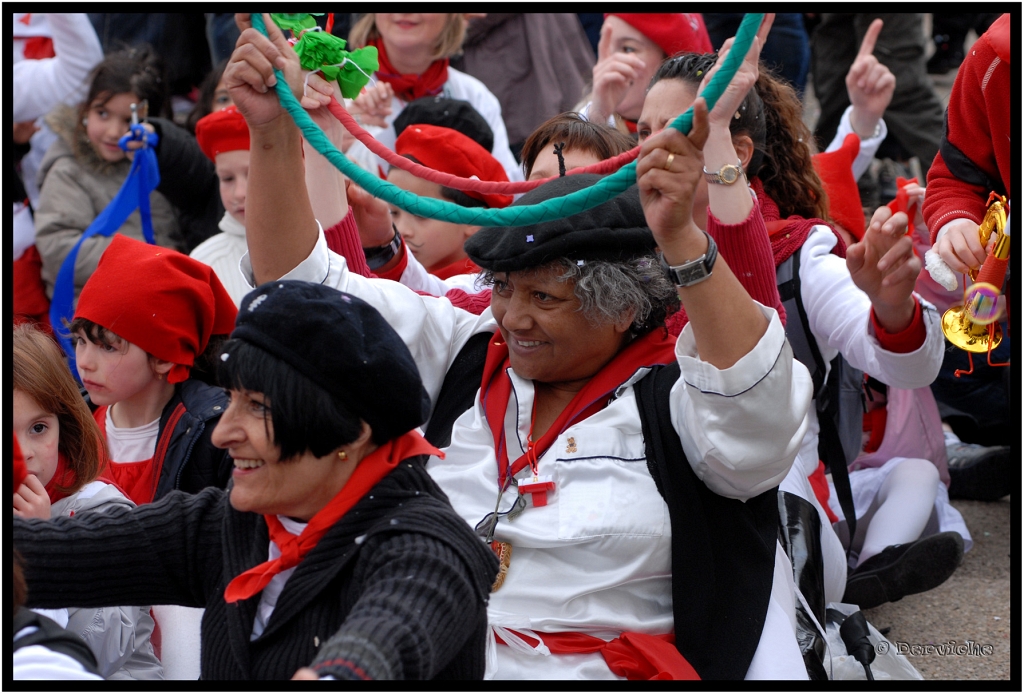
{"x":379,"y":256}
{"x":692,"y":271}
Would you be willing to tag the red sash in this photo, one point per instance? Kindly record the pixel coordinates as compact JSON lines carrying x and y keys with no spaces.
{"x":632,"y":655}
{"x":371,"y":470}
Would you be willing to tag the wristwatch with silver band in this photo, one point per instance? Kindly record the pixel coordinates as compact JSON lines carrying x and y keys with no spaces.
{"x":692,"y":271}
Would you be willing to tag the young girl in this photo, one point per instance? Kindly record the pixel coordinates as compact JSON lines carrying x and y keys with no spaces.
{"x":632,"y":47}
{"x":63,"y":453}
{"x":224,"y":138}
{"x":85,"y":168}
{"x":413,"y":51}
{"x":581,"y":143}
{"x":135,"y":351}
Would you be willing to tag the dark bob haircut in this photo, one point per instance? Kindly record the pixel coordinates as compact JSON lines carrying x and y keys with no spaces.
{"x":305,"y":416}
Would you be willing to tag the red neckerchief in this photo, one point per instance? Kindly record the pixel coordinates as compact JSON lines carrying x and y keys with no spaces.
{"x":459,"y":267}
{"x":410,"y":87}
{"x":787,"y":235}
{"x":63,"y":476}
{"x":371,"y":470}
{"x":656,"y":347}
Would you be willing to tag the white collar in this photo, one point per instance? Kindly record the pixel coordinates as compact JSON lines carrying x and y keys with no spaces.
{"x":230,"y":225}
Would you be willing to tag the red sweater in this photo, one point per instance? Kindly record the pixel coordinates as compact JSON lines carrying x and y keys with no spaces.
{"x":978,"y":124}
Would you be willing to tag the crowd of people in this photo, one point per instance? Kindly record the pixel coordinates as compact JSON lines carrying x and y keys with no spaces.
{"x":298,"y":431}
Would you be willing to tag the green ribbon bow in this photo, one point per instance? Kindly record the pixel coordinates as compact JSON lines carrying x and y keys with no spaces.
{"x":295,"y":22}
{"x":325,"y":52}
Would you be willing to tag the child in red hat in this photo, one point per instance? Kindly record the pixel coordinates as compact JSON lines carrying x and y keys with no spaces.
{"x":145,"y":319}
{"x":632,"y":47}
{"x":437,"y":245}
{"x":224,"y":138}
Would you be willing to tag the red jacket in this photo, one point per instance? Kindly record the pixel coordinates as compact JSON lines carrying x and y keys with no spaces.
{"x":974,"y":156}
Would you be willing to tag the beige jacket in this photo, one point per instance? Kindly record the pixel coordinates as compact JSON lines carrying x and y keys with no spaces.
{"x":75,"y":186}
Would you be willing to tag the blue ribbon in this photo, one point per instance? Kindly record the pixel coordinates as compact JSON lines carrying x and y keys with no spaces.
{"x":143,"y":178}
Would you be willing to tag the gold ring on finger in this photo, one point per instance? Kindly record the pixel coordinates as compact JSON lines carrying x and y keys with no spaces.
{"x":668,"y":162}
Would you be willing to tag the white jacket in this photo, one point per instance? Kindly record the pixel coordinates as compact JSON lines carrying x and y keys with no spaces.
{"x":597,"y":557}
{"x":39,"y":85}
{"x":222,"y":252}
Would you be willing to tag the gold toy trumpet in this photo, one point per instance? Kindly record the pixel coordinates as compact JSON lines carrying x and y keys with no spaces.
{"x":973,"y":326}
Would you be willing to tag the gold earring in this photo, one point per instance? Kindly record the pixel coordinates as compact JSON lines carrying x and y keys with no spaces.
{"x":342,"y":455}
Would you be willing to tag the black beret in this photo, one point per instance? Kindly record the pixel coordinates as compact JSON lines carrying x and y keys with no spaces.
{"x":447,"y":113}
{"x":342,"y":344}
{"x":614,"y":230}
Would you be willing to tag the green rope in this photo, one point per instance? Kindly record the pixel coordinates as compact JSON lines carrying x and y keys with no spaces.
{"x":556,"y":208}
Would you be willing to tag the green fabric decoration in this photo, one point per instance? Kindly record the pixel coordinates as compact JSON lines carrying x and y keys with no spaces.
{"x":297,"y":23}
{"x":556,"y":208}
{"x":325,"y":52}
{"x":351,"y":78}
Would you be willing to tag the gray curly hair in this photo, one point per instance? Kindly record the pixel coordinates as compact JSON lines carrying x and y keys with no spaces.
{"x":610,"y":291}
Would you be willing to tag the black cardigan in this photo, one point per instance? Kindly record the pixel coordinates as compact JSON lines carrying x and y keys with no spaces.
{"x":397,"y":589}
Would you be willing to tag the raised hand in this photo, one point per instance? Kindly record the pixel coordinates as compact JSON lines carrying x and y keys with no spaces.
{"x":249,"y":76}
{"x":373,"y":216}
{"x":614,"y":74}
{"x":742,"y":81}
{"x":31,"y":499}
{"x":884,"y":267}
{"x":373,"y":105}
{"x":668,"y":170}
{"x":869,"y":84}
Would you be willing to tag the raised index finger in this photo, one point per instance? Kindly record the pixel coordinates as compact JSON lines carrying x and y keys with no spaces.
{"x":867,"y":46}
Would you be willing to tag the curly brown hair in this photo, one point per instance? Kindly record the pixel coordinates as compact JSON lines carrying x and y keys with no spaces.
{"x":772,"y":116}
{"x":41,"y":372}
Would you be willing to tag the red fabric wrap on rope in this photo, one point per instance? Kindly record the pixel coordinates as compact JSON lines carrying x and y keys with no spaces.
{"x":465,"y":184}
{"x":632,"y":655}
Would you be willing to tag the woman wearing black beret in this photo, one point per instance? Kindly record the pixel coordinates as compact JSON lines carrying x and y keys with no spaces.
{"x":617,"y":560}
{"x":369,"y":573}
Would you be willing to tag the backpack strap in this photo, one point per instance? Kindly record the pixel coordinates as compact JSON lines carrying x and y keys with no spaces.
{"x":723,"y":550}
{"x":826,"y":390}
{"x":458,"y":391}
{"x":52,"y":636}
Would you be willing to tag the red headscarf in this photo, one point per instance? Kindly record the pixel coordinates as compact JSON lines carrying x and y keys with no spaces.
{"x":222,"y":131}
{"x":158,"y":299}
{"x":447,"y":150}
{"x":674,"y":32}
{"x":409,"y":87}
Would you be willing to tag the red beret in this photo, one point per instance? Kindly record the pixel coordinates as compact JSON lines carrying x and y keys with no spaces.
{"x":674,"y":32}
{"x":158,"y":299}
{"x":222,"y":131}
{"x":451,"y":152}
{"x":20,"y":471}
{"x":836,"y":171}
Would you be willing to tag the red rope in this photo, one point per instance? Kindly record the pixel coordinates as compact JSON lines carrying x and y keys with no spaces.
{"x":468,"y":184}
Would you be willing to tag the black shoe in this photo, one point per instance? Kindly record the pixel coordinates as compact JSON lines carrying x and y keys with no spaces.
{"x":900,"y":570}
{"x":982,"y":473}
